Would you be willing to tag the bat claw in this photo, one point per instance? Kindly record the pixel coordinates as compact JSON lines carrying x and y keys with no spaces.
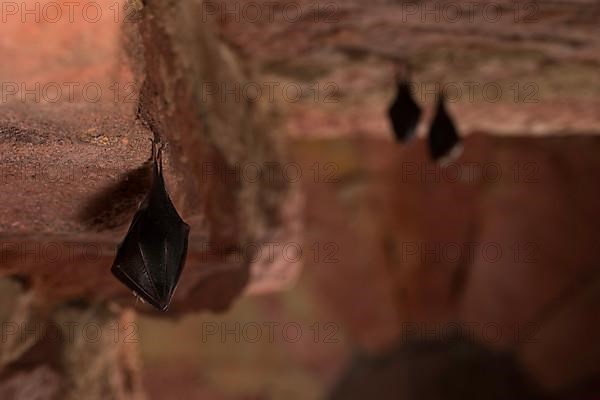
{"x":138,"y":297}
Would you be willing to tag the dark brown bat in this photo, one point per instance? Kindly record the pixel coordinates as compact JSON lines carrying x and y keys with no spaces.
{"x":444,"y":141}
{"x":404,"y":112}
{"x":152,"y":255}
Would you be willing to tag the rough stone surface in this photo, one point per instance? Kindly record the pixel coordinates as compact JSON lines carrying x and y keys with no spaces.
{"x":74,"y":170}
{"x":531,"y":66}
{"x":385,"y":221}
{"x":75,"y":132}
{"x":69,"y":352}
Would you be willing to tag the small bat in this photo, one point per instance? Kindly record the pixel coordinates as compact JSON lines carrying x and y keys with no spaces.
{"x":444,"y":141}
{"x":152,"y":255}
{"x":404,"y":112}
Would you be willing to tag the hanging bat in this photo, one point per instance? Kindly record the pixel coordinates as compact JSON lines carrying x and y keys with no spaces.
{"x":150,"y":259}
{"x":404,"y":112}
{"x":444,"y":141}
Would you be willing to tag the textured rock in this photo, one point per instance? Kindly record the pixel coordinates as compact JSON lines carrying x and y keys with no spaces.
{"x":74,"y":170}
{"x":384,"y":224}
{"x":69,"y":352}
{"x":75,"y":165}
{"x":509,"y":66}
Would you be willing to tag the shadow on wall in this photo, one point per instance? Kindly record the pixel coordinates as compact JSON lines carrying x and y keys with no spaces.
{"x":453,"y":369}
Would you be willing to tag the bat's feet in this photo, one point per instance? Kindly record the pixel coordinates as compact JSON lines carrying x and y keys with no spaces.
{"x":157,"y":148}
{"x":402,"y":71}
{"x":138,"y":297}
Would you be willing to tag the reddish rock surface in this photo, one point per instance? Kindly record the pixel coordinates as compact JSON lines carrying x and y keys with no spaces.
{"x":74,"y":169}
{"x":397,"y":250}
{"x":509,"y":67}
{"x":498,"y":246}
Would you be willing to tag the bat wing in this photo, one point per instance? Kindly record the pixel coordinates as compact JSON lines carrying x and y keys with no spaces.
{"x":152,"y":256}
{"x":404,"y":113}
{"x":129,"y":266}
{"x":163,"y":248}
{"x":443,"y":136}
{"x":175,"y":255}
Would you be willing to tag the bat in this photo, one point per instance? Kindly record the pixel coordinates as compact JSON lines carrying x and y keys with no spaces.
{"x":444,"y":141}
{"x":150,"y":259}
{"x":404,"y":112}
